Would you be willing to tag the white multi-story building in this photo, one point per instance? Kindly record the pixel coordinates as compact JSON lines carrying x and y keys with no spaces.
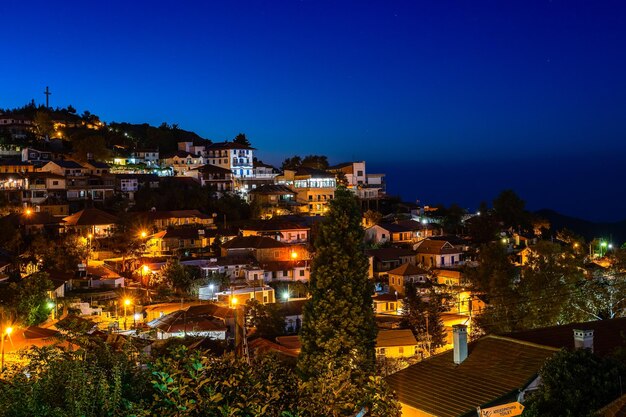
{"x":365,"y":186}
{"x":238,"y":158}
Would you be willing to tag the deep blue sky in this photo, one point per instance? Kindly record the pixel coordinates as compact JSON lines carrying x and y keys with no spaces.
{"x":455,"y":100}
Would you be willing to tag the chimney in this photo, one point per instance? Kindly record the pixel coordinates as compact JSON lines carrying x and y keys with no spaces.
{"x":583,"y":339}
{"x":459,"y":339}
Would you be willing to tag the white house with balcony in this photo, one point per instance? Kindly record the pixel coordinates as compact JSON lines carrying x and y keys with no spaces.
{"x":438,"y":254}
{"x":230,"y":155}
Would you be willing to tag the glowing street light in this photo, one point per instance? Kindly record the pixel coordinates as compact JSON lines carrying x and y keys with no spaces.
{"x":233,"y":301}
{"x":286,"y":296}
{"x":127,"y":302}
{"x":294,"y":255}
{"x":143,"y":234}
{"x":28,"y":211}
{"x":7,"y":332}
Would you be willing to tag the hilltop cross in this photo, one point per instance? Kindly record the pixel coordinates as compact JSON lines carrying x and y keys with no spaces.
{"x":47,"y":93}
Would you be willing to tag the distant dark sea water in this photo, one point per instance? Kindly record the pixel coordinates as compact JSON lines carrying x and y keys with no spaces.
{"x":585,"y":187}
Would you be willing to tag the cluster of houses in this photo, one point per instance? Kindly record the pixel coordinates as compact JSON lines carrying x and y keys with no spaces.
{"x":259,"y":258}
{"x":44,"y":179}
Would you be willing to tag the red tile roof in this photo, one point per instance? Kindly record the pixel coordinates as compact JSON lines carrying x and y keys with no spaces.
{"x":408,"y":269}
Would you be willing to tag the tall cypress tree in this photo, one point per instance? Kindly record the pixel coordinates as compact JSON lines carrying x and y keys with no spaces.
{"x":338,"y":329}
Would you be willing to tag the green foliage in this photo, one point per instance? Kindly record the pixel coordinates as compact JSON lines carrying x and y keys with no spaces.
{"x":268,"y":319}
{"x":43,"y":123}
{"x":184,"y":279}
{"x":63,"y":254}
{"x":338,"y":325}
{"x":424,"y":318}
{"x":510,"y":210}
{"x":93,"y":381}
{"x":191,"y":384}
{"x":28,"y":299}
{"x":89,"y":147}
{"x":309,"y":161}
{"x":335,"y":393}
{"x":574,"y":384}
{"x":241,"y":139}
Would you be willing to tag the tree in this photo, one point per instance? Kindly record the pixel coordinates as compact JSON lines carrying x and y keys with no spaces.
{"x":292,"y":163}
{"x":182,"y":278}
{"x":574,"y":384}
{"x":44,"y":124}
{"x":424,"y":318}
{"x":338,"y":328}
{"x":242,"y":140}
{"x":496,"y":277}
{"x":90,"y":147}
{"x":315,"y":161}
{"x":268,"y":320}
{"x":28,"y":299}
{"x":372,"y":218}
{"x":510,"y":209}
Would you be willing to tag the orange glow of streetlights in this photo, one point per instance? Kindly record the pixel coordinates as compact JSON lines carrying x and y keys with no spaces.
{"x":8,"y":330}
{"x":234,"y":301}
{"x":28,"y":211}
{"x":145,"y":269}
{"x":127,"y":301}
{"x":90,"y":236}
{"x":143,"y":234}
{"x":294,"y":255}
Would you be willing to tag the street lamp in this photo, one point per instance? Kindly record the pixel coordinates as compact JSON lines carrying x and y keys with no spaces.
{"x":143,"y":234}
{"x":127,"y":302}
{"x":7,"y":332}
{"x":286,"y":296}
{"x":144,"y":270}
{"x":603,"y":245}
{"x":233,"y":301}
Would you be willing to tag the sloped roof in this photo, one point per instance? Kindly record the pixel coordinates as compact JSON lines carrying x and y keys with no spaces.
{"x":68,"y":164}
{"x":392,"y":338}
{"x":90,"y":217}
{"x":186,"y":321}
{"x":214,"y":169}
{"x":262,"y":345}
{"x":408,"y":269}
{"x":616,"y":408}
{"x":253,"y":242}
{"x":272,"y":189}
{"x":495,"y":367}
{"x":437,"y":247}
{"x":389,"y":254}
{"x":98,"y":164}
{"x":35,"y":218}
{"x":227,"y":145}
{"x":607,"y":335}
{"x":274,"y":225}
{"x":180,"y":154}
{"x":394,"y":227}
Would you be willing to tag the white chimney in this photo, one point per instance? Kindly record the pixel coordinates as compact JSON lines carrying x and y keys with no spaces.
{"x":583,"y":339}
{"x":459,"y":339}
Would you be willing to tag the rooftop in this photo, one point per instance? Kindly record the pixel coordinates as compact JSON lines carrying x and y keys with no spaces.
{"x":408,"y":269}
{"x":90,"y":217}
{"x":495,"y":367}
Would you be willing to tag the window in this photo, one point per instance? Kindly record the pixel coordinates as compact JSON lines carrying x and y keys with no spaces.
{"x":55,"y":183}
{"x":443,"y":260}
{"x":276,"y":254}
{"x":302,"y":272}
{"x":401,"y":350}
{"x":359,"y":173}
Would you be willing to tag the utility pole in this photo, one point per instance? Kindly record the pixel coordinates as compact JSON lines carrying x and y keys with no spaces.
{"x":47,"y":93}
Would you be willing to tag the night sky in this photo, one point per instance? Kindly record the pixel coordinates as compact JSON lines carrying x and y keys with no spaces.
{"x":454,"y":100}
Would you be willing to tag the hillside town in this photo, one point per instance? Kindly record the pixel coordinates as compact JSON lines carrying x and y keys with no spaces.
{"x":153,"y":238}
